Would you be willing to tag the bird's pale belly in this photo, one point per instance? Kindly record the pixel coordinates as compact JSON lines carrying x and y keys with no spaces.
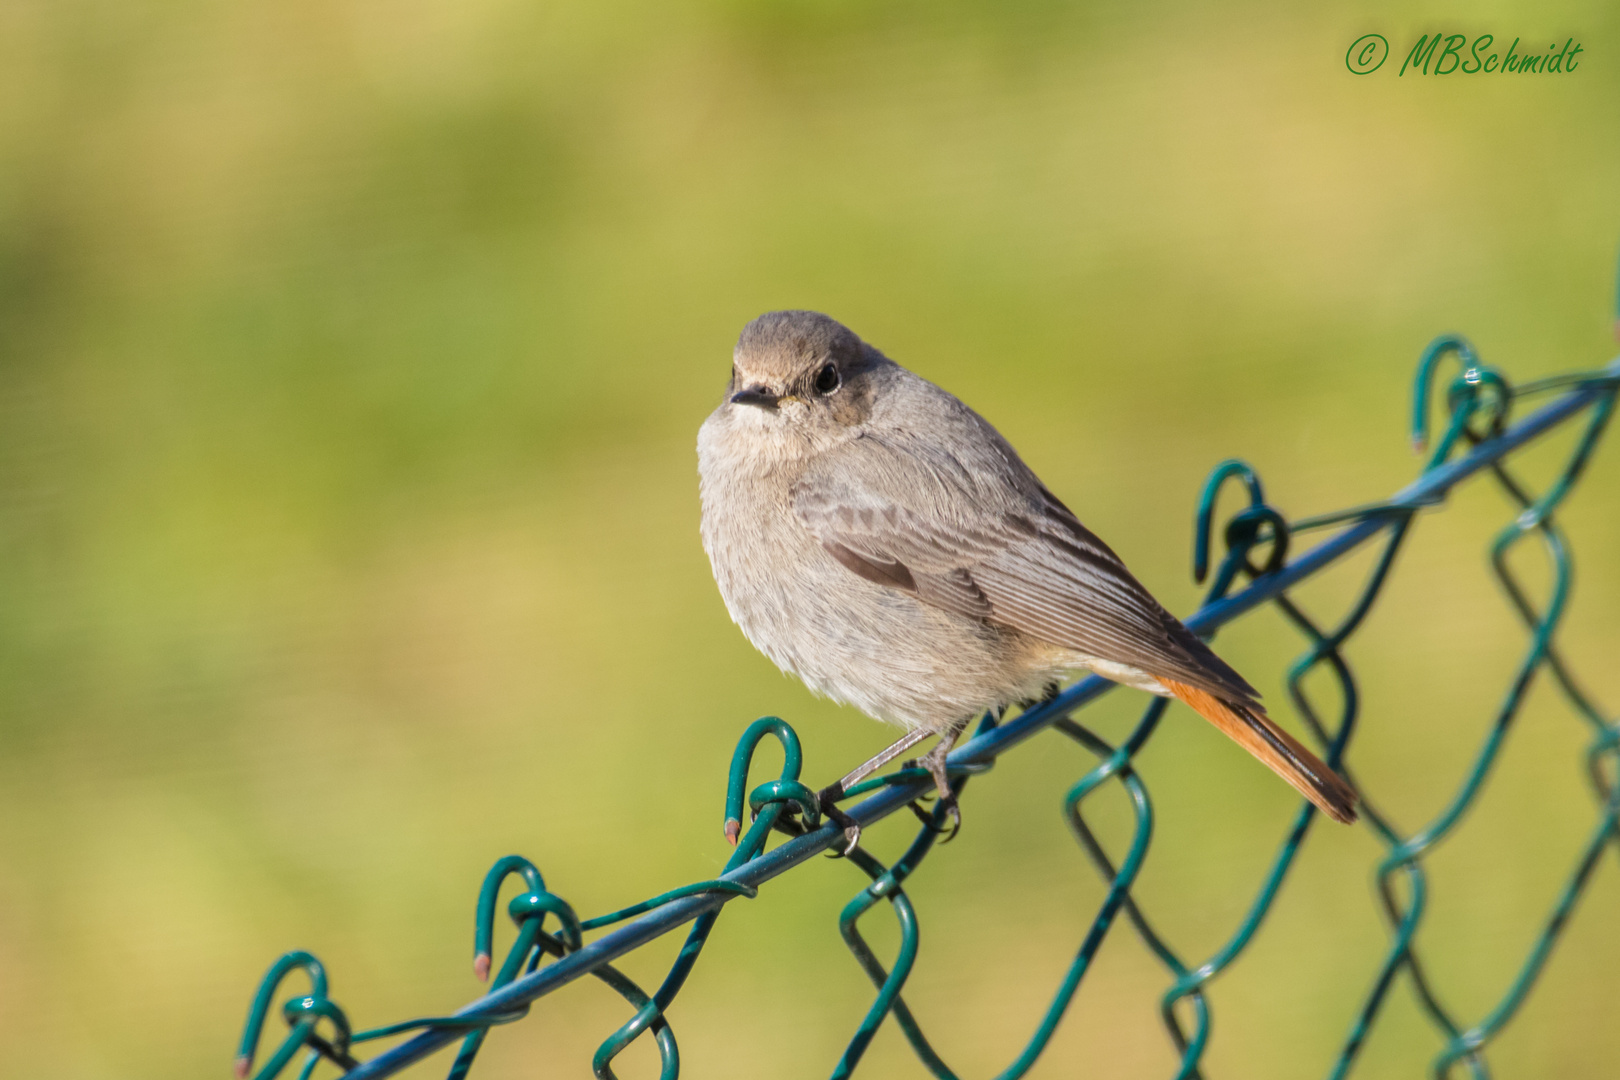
{"x":880,"y":649}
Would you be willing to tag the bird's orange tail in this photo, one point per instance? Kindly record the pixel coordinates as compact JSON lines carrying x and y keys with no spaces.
{"x":1249,"y":727}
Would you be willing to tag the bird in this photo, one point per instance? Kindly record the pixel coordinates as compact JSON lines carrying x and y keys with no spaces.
{"x":874,"y":536}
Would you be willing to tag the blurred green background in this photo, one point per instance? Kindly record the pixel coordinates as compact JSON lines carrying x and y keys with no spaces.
{"x":351,"y":360}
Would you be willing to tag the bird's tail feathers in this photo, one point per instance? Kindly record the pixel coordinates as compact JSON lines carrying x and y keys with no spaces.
{"x":1248,"y":725}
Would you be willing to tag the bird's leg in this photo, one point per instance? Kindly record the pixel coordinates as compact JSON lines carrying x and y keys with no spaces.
{"x":934,"y":762}
{"x":828,"y":796}
{"x":888,"y":754}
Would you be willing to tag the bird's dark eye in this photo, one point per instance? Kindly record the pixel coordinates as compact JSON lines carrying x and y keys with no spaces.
{"x":827,"y":379}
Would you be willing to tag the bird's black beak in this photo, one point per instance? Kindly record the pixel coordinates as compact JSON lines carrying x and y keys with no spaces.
{"x":755,"y":395}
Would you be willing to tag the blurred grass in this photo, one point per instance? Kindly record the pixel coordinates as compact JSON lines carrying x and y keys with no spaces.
{"x":351,"y":357}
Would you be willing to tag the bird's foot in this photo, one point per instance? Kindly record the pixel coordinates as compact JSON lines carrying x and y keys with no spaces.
{"x":953,"y":814}
{"x":934,"y":762}
{"x":828,"y":798}
{"x":948,"y":805}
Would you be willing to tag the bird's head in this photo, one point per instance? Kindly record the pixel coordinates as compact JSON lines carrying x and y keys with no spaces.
{"x":801,"y":375}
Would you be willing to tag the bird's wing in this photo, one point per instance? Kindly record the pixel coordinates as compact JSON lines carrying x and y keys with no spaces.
{"x":987,"y":540}
{"x":973,"y":531}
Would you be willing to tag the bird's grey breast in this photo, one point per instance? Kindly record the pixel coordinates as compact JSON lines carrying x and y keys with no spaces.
{"x":881,"y":648}
{"x":764,"y":562}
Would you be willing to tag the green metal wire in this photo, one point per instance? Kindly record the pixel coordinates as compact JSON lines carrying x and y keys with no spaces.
{"x":1478,"y":435}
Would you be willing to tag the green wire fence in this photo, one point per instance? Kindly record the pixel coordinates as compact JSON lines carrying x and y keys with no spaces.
{"x":1480,"y":436}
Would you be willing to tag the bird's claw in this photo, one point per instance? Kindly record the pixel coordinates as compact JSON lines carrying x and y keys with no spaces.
{"x":954,"y":813}
{"x":828,"y":800}
{"x":948,"y":805}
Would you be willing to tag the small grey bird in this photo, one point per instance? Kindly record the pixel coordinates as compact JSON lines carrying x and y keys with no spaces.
{"x":876,"y":537}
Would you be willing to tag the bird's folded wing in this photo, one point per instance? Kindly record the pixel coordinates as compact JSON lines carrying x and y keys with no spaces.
{"x":1008,"y":553}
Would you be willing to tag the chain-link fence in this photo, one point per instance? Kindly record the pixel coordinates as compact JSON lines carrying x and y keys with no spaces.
{"x":1481,"y":436}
